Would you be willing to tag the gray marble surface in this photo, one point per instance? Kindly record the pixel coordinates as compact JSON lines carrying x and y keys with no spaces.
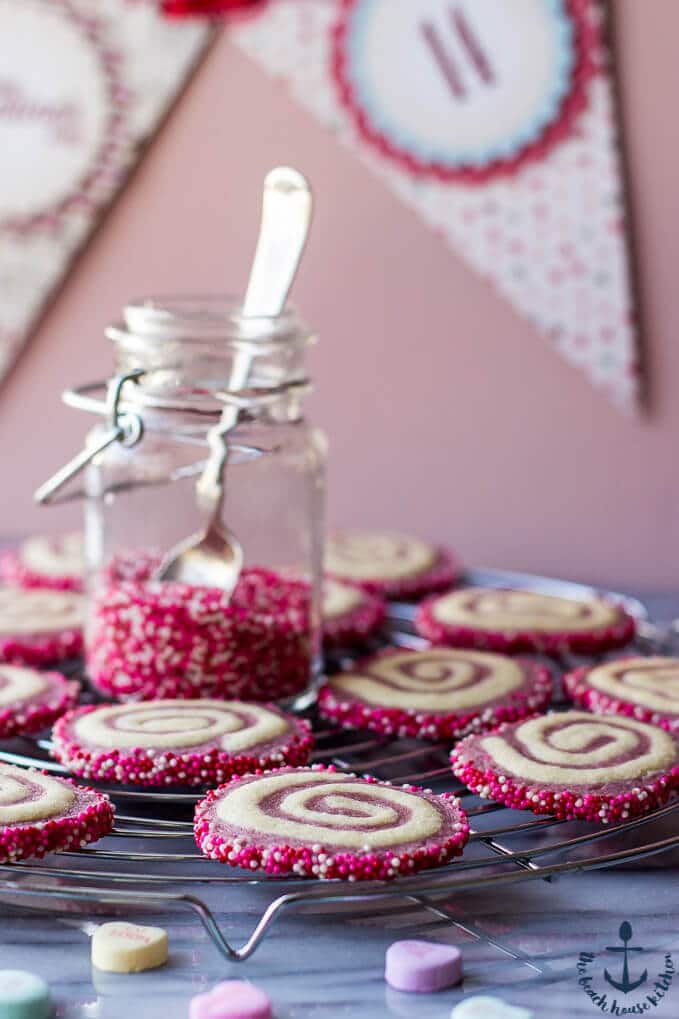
{"x":520,"y":942}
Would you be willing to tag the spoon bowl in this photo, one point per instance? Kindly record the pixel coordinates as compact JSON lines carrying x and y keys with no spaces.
{"x":209,"y":558}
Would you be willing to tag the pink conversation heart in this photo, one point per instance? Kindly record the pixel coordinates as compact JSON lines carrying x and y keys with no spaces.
{"x":422,"y":966}
{"x":232,"y":999}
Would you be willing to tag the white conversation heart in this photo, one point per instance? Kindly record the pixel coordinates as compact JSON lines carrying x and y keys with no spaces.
{"x":121,"y":947}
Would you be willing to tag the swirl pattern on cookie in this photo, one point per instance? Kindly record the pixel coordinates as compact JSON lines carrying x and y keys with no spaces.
{"x":388,"y":563}
{"x":45,"y":562}
{"x":437,"y":693}
{"x":433,"y":680}
{"x":508,"y":619}
{"x":40,"y":814}
{"x":36,"y":612}
{"x":589,"y":765}
{"x":19,"y":684}
{"x":32,"y":700}
{"x":188,"y":741}
{"x":652,"y":682}
{"x":180,"y":724}
{"x":362,"y":555}
{"x":316,"y":821}
{"x":522,"y":610}
{"x":322,"y":807}
{"x":40,"y":626}
{"x":31,"y":796}
{"x":647,"y":688}
{"x":578,"y":748}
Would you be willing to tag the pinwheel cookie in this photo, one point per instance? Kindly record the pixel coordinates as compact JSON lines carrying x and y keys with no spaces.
{"x":507,"y":620}
{"x":436,"y":694}
{"x":51,"y":562}
{"x":572,"y":765}
{"x":391,"y":565}
{"x":31,"y":700}
{"x":350,"y":614}
{"x":192,"y":742}
{"x":40,"y":627}
{"x":313,"y":822}
{"x":41,"y":814}
{"x":645,"y":688}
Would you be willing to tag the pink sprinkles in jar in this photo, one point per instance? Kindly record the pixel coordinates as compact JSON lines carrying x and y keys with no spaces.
{"x":152,"y":638}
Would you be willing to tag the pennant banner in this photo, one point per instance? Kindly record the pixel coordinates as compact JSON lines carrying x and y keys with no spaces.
{"x":83,"y":84}
{"x":495,"y":121}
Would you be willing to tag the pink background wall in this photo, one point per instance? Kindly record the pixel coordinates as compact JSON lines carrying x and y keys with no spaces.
{"x":447,"y":414}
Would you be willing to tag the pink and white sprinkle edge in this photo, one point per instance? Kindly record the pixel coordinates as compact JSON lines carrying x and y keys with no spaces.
{"x":238,"y":652}
{"x":92,"y":822}
{"x":437,"y":726}
{"x":559,"y":802}
{"x":317,"y":861}
{"x":141,"y":766}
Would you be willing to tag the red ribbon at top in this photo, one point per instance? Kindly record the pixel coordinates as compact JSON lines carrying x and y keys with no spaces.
{"x":208,"y":8}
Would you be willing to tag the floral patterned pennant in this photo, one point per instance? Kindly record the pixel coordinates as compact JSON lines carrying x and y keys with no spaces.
{"x":495,"y":121}
{"x":82,"y":85}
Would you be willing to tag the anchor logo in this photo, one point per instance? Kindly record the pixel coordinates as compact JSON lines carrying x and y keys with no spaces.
{"x":625,"y":985}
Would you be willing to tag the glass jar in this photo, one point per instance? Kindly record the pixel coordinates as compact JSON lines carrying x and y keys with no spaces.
{"x":149,"y":638}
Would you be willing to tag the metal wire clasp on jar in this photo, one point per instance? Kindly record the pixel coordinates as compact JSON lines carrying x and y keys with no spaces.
{"x":146,"y":638}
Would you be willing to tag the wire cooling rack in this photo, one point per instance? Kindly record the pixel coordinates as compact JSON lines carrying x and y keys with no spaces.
{"x":151,"y":848}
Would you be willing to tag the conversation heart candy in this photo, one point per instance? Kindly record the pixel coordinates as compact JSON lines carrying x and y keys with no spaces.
{"x":486,"y":1007}
{"x":232,"y":999}
{"x":23,"y":995}
{"x":422,"y":966}
{"x":122,"y":947}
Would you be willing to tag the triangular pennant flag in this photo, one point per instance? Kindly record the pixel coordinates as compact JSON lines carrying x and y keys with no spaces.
{"x":83,"y":85}
{"x":495,"y":121}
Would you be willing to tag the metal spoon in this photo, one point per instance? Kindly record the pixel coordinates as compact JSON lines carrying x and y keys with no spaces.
{"x":213,"y":557}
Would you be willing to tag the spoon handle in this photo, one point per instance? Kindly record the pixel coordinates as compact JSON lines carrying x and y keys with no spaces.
{"x":210,"y":484}
{"x":286,"y":216}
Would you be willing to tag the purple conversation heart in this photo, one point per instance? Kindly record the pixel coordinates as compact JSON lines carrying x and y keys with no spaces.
{"x":422,"y":966}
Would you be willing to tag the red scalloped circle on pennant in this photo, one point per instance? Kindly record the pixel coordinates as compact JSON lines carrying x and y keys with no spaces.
{"x":490,"y":107}
{"x":63,"y":107}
